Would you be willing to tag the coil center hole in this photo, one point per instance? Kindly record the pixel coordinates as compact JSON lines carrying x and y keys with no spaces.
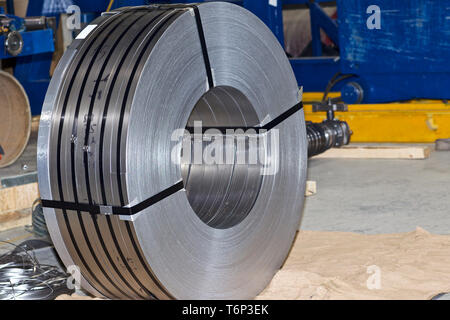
{"x":223,"y":188}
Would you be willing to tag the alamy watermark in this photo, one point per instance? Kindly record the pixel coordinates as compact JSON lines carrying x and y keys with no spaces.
{"x":74,"y":280}
{"x":230,"y":146}
{"x":374,"y":280}
{"x":374,"y":20}
{"x":73,"y":21}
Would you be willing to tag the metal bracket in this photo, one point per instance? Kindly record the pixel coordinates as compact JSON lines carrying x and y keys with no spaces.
{"x":330,"y":107}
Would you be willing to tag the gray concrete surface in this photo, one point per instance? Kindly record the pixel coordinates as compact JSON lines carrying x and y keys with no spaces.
{"x":379,"y":196}
{"x":11,"y":237}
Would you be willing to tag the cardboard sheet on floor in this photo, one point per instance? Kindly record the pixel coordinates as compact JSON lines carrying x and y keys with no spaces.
{"x":339,"y":265}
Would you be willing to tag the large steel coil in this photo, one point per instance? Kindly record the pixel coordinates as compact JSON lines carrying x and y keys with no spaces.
{"x":138,"y":224}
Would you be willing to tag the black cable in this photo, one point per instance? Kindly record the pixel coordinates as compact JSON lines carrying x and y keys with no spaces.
{"x":334,"y":80}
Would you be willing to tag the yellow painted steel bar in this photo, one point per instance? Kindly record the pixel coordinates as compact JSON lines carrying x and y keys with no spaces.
{"x":411,"y":121}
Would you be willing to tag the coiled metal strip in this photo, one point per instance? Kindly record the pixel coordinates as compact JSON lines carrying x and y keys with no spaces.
{"x":86,"y":130}
{"x":121,"y":29}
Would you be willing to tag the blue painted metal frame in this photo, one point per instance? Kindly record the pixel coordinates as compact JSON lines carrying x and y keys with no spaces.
{"x":32,"y":67}
{"x":33,"y":72}
{"x":311,"y":73}
{"x":34,"y":42}
{"x":314,"y":73}
{"x":319,"y":19}
{"x":406,"y":58}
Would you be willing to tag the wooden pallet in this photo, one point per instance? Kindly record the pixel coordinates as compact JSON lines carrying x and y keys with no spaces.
{"x":378,"y":152}
{"x":15,"y":205}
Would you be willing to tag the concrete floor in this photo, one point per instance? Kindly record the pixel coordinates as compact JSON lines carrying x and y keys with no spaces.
{"x":16,"y":236}
{"x":379,"y":196}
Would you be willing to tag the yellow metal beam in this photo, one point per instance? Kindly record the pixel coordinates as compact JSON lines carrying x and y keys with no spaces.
{"x":412,"y":121}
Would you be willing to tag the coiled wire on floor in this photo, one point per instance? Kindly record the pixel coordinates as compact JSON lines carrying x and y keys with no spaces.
{"x":38,"y":225}
{"x":22,"y":277}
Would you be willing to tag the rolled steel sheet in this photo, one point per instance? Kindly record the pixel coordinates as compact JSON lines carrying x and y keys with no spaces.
{"x":120,"y":91}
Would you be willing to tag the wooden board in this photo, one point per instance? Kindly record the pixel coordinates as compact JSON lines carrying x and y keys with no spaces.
{"x":378,"y":152}
{"x":15,"y":205}
{"x":18,"y":198}
{"x":14,"y":219}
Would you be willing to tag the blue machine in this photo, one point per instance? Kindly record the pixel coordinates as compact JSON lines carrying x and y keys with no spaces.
{"x":30,"y":42}
{"x":406,"y":58}
{"x":32,"y":68}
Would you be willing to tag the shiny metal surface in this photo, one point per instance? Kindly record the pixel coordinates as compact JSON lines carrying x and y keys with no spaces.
{"x":215,"y":191}
{"x":14,"y":43}
{"x":105,"y":138}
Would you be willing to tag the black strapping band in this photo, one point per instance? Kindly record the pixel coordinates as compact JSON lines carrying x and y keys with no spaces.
{"x":267,"y":127}
{"x":201,"y":34}
{"x":129,"y":211}
{"x":113,"y":210}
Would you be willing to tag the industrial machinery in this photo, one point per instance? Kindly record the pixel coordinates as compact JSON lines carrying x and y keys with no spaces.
{"x":385,"y":65}
{"x":391,"y":50}
{"x":29,"y":45}
{"x":330,"y":133}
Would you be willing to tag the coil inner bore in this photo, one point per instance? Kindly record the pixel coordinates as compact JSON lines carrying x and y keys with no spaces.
{"x":223,"y":186}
